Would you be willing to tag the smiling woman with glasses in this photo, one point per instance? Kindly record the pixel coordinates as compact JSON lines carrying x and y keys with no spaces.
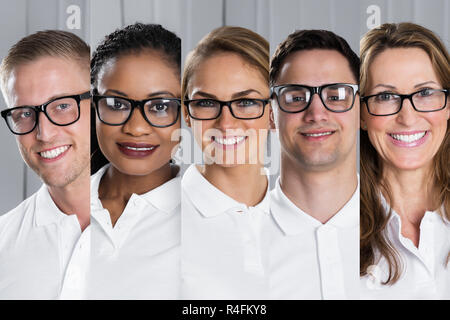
{"x":405,"y":197}
{"x":225,"y":200}
{"x":135,"y":188}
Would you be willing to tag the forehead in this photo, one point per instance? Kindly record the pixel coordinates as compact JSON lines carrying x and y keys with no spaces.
{"x":38,"y":81}
{"x":315,"y":67}
{"x":226,"y":73}
{"x":402,"y":68}
{"x":139,"y":70}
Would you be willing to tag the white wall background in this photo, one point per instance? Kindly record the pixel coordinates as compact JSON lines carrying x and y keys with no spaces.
{"x":191,"y":20}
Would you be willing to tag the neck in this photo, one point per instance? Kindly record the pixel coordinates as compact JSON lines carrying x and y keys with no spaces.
{"x":74,"y":198}
{"x":412,"y":192}
{"x":244,"y":183}
{"x":321,"y":194}
{"x":117,"y":185}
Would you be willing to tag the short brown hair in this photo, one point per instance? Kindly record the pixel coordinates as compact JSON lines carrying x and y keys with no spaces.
{"x":252,"y":47}
{"x":53,"y":43}
{"x":301,"y":40}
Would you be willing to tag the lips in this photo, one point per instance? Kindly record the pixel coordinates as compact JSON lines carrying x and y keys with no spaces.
{"x":317,"y":135}
{"x":136,"y":150}
{"x":54,"y":154}
{"x":408,"y":139}
{"x":228,"y":142}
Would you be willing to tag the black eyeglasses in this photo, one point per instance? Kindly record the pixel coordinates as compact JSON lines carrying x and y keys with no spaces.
{"x":388,"y":103}
{"x":116,"y":111}
{"x":336,"y":97}
{"x":209,"y":109}
{"x":61,"y":111}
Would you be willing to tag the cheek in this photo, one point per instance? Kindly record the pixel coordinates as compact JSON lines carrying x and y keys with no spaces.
{"x":105,"y":135}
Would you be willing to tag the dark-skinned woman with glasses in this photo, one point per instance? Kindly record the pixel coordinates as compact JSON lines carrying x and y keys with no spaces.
{"x":225,"y":199}
{"x":405,"y":191}
{"x":135,"y":186}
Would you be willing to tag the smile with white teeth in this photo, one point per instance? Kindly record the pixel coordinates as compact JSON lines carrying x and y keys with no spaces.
{"x":318,"y":134}
{"x":50,"y":154}
{"x":139,"y":149}
{"x":229,"y":141}
{"x":408,"y":137}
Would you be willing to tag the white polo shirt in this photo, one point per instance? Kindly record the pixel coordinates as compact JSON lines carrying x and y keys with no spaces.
{"x":425,"y":274}
{"x":311,"y":260}
{"x":43,"y":253}
{"x":139,"y":258}
{"x":222,"y":250}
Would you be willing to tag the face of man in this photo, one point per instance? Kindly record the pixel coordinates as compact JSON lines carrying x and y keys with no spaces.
{"x":317,"y":139}
{"x":58,"y":154}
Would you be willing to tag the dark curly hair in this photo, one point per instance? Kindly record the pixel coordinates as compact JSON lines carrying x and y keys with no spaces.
{"x":309,"y":40}
{"x":132,"y":39}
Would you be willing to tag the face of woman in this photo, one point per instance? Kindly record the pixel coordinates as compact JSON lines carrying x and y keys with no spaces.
{"x":409,"y":139}
{"x":136,"y":147}
{"x":227,"y":141}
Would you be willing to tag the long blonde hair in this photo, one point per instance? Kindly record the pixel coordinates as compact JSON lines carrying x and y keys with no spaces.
{"x":373,"y":218}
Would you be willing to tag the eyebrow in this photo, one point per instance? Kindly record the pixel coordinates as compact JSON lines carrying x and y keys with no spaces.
{"x":393,"y":87}
{"x":150,"y":95}
{"x":235,"y":95}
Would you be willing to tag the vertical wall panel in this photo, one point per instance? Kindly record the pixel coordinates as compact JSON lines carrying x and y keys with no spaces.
{"x":12,"y":167}
{"x":106,"y":16}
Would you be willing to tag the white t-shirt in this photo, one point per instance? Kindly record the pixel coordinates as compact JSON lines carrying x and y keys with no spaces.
{"x":139,"y":258}
{"x":222,"y":252}
{"x":43,"y":253}
{"x":311,"y":260}
{"x":425,"y":274}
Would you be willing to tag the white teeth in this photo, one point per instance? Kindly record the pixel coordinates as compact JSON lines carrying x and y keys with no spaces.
{"x":318,"y":134}
{"x":408,"y":137}
{"x":139,"y":149}
{"x":53,"y":153}
{"x":229,"y":141}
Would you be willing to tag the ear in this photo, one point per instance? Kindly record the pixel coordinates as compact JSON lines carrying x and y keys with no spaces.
{"x":272,"y":125}
{"x":186,"y":117}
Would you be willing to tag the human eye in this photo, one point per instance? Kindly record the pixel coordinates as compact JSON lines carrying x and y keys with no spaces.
{"x":62,"y":106}
{"x":427,"y":92}
{"x":247,"y":102}
{"x":385,"y":97}
{"x":204,"y":103}
{"x":116,"y":104}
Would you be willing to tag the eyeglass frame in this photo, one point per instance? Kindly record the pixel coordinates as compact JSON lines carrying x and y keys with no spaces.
{"x":228,"y":103}
{"x":403,"y":97}
{"x":43,"y":108}
{"x":135,"y":104}
{"x":274,"y":90}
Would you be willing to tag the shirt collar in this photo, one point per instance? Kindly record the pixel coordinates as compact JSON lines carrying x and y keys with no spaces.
{"x":209,"y":200}
{"x":292,"y":220}
{"x":165,"y":198}
{"x":46,"y":210}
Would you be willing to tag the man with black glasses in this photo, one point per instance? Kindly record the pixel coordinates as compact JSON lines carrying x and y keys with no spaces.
{"x":315,"y":204}
{"x":44,"y":241}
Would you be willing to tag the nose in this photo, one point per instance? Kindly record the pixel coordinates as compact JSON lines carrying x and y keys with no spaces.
{"x":316,"y":111}
{"x":137,"y":125}
{"x":407,"y":115}
{"x":45,"y":130}
{"x":226,"y":119}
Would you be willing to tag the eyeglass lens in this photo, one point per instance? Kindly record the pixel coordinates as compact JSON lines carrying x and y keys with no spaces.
{"x":298,"y":98}
{"x":61,"y":111}
{"x":210,"y":109}
{"x":389,"y":103}
{"x":160,"y":112}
